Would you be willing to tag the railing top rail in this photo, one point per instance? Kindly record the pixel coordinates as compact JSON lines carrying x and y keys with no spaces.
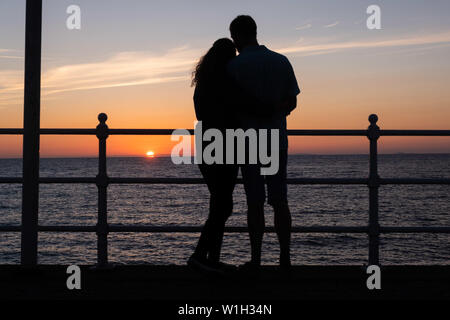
{"x":165,"y":180}
{"x":291,"y":132}
{"x":414,"y":132}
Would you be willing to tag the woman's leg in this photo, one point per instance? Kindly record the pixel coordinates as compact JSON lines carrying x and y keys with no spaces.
{"x":221,"y":180}
{"x":201,"y":250}
{"x":223,"y":208}
{"x":254,"y":187}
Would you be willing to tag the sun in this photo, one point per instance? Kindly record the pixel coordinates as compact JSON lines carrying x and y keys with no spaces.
{"x":150,"y":154}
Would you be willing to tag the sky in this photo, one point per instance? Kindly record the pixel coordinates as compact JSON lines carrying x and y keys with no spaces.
{"x":133,"y":59}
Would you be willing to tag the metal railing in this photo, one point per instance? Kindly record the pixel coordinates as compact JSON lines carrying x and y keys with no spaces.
{"x":102,"y":180}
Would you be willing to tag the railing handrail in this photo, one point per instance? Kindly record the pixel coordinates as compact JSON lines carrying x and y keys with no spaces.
{"x":164,"y":180}
{"x":290,"y":132}
{"x":229,"y":229}
{"x":102,"y":180}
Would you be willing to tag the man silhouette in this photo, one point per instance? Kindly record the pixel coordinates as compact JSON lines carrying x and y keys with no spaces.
{"x":269,"y":77}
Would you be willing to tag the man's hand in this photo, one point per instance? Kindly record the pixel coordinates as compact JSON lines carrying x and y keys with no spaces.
{"x":286,"y":106}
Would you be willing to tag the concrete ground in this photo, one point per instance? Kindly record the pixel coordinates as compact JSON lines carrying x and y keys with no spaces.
{"x":179,"y":283}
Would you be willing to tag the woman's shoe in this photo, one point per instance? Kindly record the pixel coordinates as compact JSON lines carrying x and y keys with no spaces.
{"x":225,"y":267}
{"x":208,"y":267}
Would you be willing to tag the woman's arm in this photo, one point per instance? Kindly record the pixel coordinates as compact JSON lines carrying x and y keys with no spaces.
{"x":249,"y":104}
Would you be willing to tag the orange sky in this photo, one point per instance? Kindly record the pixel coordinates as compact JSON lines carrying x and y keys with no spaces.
{"x":158,"y":107}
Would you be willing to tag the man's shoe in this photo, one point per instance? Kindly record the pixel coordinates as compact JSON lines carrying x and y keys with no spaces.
{"x":249,"y":269}
{"x":205,"y":266}
{"x":285,"y":270}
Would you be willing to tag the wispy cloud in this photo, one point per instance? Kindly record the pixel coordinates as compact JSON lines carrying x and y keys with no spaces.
{"x":411,"y":50}
{"x":339,"y":46}
{"x":120,"y":70}
{"x":10,"y":57}
{"x":6,"y":54}
{"x":331,"y":25}
{"x":123,"y":69}
{"x":8,"y":50}
{"x":304,"y":27}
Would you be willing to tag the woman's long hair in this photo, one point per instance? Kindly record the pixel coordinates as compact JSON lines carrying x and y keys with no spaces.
{"x":212,"y":66}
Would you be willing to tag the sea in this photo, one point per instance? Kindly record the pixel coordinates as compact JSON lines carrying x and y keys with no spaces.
{"x":187,"y":205}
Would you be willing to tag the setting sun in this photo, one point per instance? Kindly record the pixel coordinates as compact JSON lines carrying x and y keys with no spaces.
{"x":150,"y":154}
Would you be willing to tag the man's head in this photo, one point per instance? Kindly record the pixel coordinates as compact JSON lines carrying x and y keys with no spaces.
{"x":243,"y":31}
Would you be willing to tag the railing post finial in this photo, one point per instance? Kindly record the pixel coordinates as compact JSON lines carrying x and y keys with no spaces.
{"x":102,"y":127}
{"x":102,"y":117}
{"x":373,"y":130}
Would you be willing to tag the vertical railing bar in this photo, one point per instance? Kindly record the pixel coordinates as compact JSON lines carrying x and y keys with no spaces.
{"x":373,"y":133}
{"x":31,"y":124}
{"x":102,"y":185}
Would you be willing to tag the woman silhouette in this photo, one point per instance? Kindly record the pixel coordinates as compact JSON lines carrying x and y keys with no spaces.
{"x":214,"y":101}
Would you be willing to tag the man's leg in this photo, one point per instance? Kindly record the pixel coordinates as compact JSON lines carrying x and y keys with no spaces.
{"x":256,"y":225}
{"x":283,"y":224}
{"x":255,"y":192}
{"x":277,"y":197}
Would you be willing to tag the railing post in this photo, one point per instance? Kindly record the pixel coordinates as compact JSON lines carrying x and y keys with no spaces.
{"x":31,"y":124}
{"x":102,"y":185}
{"x":373,"y":133}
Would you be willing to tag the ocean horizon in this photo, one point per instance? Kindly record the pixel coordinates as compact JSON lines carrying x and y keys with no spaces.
{"x":290,"y":154}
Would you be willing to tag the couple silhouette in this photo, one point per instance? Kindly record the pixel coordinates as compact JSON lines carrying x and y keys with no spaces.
{"x":256,"y":89}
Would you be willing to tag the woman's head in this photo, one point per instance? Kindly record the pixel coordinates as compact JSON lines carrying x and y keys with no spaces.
{"x":212,"y":66}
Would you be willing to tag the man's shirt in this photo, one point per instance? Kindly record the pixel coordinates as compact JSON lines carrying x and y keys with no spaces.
{"x":268,"y":76}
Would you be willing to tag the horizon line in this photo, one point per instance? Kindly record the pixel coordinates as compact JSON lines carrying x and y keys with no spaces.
{"x":290,"y":154}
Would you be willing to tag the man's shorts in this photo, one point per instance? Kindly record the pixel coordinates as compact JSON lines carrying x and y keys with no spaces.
{"x":254,"y":183}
